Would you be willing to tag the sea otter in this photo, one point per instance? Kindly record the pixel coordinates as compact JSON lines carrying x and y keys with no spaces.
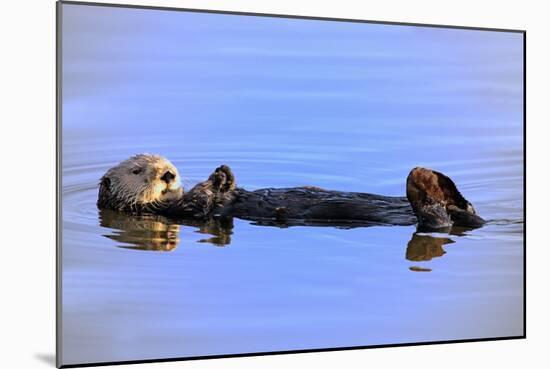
{"x":148,"y":183}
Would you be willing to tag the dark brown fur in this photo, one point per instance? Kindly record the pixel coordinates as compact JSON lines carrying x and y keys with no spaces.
{"x":436,"y":201}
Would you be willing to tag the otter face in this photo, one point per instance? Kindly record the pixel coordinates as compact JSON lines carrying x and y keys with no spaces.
{"x":140,"y":182}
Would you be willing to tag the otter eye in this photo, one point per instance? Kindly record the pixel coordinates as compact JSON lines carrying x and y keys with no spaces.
{"x":136,"y":171}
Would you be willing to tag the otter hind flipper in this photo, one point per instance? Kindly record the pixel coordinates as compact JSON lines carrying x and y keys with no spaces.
{"x":437,"y":203}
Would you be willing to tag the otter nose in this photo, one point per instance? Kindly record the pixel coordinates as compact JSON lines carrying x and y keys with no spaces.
{"x":168,"y":177}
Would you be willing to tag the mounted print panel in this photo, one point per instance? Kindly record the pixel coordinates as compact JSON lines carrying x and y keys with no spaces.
{"x":238,"y":184}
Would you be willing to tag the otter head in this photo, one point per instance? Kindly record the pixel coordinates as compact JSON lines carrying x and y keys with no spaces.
{"x":143,"y":182}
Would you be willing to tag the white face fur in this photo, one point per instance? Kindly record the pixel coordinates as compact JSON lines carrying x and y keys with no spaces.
{"x":145,"y":179}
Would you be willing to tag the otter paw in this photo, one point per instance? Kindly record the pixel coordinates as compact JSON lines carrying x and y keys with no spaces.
{"x":223,"y":179}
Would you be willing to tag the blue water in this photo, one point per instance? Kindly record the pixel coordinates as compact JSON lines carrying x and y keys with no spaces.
{"x":286,"y":102}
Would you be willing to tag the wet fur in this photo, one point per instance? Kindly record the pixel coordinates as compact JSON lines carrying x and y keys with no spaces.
{"x":432,"y":200}
{"x":436,"y":201}
{"x":135,"y":185}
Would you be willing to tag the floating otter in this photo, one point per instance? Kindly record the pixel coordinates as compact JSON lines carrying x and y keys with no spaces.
{"x":151,"y":184}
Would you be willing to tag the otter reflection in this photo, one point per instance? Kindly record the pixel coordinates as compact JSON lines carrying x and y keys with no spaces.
{"x":150,"y":232}
{"x":156,"y":233}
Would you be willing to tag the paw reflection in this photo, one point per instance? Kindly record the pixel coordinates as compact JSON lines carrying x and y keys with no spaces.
{"x":221,"y":229}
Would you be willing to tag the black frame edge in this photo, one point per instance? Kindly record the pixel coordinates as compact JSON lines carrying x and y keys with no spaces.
{"x":305,"y":351}
{"x":58,"y":156}
{"x":525,"y":184}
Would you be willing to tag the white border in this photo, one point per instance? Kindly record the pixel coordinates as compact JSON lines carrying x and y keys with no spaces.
{"x":28,"y":182}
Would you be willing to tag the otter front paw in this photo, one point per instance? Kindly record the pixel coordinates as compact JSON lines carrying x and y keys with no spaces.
{"x":223,"y":179}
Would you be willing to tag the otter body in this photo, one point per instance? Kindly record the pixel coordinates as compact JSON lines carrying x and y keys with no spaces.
{"x":318,"y":205}
{"x":433,"y":201}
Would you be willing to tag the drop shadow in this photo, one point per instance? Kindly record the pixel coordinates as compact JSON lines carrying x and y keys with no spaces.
{"x":46,"y":358}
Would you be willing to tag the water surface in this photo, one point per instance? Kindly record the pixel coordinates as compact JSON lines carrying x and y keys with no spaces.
{"x":286,"y":103}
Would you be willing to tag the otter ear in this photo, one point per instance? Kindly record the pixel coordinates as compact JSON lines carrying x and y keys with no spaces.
{"x":104,"y":193}
{"x":106,"y":182}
